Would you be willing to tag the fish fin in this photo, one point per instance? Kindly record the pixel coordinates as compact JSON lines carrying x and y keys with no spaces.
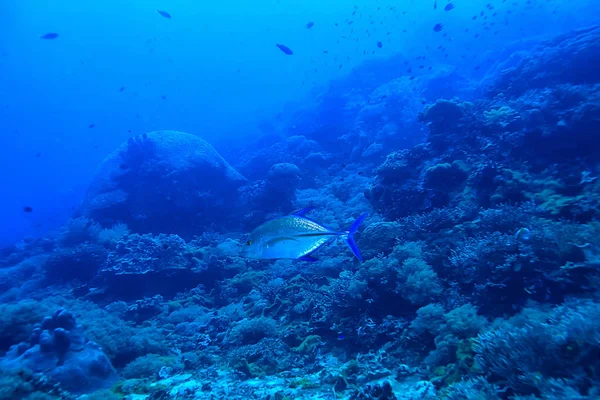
{"x":350,"y":236}
{"x":302,"y":212}
{"x":308,"y":258}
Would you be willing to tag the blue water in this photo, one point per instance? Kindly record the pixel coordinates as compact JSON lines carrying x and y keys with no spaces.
{"x":354,"y":110}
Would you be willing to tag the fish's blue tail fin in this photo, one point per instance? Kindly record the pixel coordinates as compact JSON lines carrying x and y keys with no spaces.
{"x":350,"y":235}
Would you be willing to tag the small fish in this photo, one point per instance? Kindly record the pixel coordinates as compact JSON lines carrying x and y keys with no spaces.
{"x":379,"y":44}
{"x":438,"y":27}
{"x":164,"y":14}
{"x":286,"y":50}
{"x":122,"y":88}
{"x":435,"y":4}
{"x":449,"y":7}
{"x":27,"y":209}
{"x":310,"y":25}
{"x":90,"y":126}
{"x":38,"y":154}
{"x":49,"y":35}
{"x":295,"y":237}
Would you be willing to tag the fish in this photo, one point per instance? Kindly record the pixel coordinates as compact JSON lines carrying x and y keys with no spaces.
{"x":286,"y":50}
{"x":379,"y":44}
{"x":49,"y":35}
{"x":91,"y":126}
{"x":296,"y":237}
{"x":449,"y":7}
{"x":438,"y":27}
{"x":310,"y":25}
{"x":27,"y":209}
{"x":164,"y":14}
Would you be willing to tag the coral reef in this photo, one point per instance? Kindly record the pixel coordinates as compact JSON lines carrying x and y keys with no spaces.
{"x":481,"y":251}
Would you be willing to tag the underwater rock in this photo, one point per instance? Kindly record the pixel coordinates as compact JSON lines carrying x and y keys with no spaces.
{"x":165,"y":181}
{"x":58,"y":348}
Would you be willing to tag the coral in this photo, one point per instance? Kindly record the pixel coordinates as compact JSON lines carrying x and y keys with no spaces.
{"x":139,"y":265}
{"x":119,"y":340}
{"x":418,"y":282}
{"x":430,"y":318}
{"x":565,"y":58}
{"x":24,"y":384}
{"x":141,"y":254}
{"x":145,"y":309}
{"x":78,"y":231}
{"x":562,"y":346}
{"x":308,"y":344}
{"x":250,"y":331}
{"x":116,"y":232}
{"x":444,"y":118}
{"x":162,"y":181}
{"x":464,"y":321}
{"x":378,"y":238}
{"x":149,"y":366}
{"x":17,"y":320}
{"x":445,"y":177}
{"x":476,"y":388}
{"x":81,"y":262}
{"x":503,"y":117}
{"x":58,"y":349}
{"x":375,"y":392}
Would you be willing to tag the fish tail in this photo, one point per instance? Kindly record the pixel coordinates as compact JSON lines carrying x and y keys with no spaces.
{"x":350,"y":235}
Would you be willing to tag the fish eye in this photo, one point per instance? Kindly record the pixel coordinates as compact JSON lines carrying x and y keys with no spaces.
{"x":249,"y":242}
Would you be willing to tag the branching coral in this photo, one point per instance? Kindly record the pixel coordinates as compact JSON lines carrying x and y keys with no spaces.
{"x":563,"y":346}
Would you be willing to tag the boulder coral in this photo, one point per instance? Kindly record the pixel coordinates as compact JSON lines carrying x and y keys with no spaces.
{"x":163,"y":181}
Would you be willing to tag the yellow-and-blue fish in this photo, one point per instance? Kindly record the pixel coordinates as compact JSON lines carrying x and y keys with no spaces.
{"x":295,"y":237}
